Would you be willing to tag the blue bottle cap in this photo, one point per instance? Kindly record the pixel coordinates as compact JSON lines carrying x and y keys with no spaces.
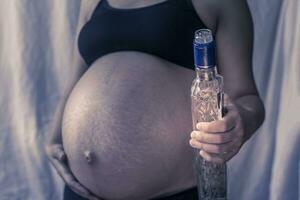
{"x":204,"y":49}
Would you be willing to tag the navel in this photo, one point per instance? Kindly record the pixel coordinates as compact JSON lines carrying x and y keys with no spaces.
{"x":88,"y":155}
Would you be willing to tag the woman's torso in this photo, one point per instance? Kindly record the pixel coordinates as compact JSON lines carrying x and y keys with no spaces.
{"x":130,"y":112}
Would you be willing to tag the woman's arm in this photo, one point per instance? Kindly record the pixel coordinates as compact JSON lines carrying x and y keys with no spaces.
{"x":54,"y":147}
{"x":233,"y":29}
{"x":234,"y":37}
{"x":79,"y":66}
{"x":58,"y":114}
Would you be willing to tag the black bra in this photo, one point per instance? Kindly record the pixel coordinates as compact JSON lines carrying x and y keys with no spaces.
{"x":165,"y":29}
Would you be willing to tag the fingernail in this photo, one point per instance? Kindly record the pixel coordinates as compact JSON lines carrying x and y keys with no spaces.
{"x":199,"y":125}
{"x":201,"y":153}
{"x":191,"y":143}
{"x":193,"y":134}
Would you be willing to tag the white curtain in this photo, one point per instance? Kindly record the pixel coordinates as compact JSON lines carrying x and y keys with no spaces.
{"x":267,"y":167}
{"x":36,"y":38}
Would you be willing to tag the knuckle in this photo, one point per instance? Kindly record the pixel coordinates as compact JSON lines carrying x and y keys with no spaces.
{"x":218,"y":148}
{"x":59,"y":148}
{"x":200,"y":137}
{"x":206,"y":157}
{"x":205,"y":127}
{"x":61,"y":156}
{"x":198,"y":144}
{"x":201,"y":146}
{"x":220,"y":138}
{"x":223,"y":126}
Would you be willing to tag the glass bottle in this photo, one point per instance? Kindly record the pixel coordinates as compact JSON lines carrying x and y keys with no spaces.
{"x":207,"y":103}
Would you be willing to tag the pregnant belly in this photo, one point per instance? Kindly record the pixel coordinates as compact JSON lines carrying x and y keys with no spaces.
{"x":126,"y":127}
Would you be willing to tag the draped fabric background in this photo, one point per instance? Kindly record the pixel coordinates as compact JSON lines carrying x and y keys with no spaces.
{"x":36,"y":42}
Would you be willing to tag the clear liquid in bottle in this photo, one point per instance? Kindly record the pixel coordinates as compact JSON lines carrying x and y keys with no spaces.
{"x":207,"y":105}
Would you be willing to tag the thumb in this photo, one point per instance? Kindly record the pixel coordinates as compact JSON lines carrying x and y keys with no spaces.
{"x":59,"y":153}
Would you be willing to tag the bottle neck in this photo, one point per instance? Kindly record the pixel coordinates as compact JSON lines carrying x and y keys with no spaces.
{"x":206,"y":74}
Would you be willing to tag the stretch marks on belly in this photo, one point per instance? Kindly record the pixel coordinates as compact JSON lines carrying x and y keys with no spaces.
{"x":126,"y":127}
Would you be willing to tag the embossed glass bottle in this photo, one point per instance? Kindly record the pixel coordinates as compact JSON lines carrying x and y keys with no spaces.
{"x":207,"y":105}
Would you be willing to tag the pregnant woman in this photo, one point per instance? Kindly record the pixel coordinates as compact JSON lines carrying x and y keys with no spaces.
{"x":123,"y":130}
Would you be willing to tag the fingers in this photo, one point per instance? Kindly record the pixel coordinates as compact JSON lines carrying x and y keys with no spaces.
{"x":212,"y":148}
{"x":56,"y":151}
{"x":218,"y":141}
{"x":58,"y":159}
{"x":218,"y":158}
{"x":216,"y":138}
{"x":217,"y":147}
{"x":59,"y":153}
{"x":217,"y":153}
{"x":225,"y":124}
{"x":211,"y":157}
{"x":70,"y":180}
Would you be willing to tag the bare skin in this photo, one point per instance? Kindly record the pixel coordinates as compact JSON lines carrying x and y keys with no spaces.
{"x":232,"y":26}
{"x":126,"y":119}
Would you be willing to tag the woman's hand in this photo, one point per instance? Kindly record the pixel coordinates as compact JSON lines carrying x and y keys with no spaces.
{"x":58,"y":159}
{"x":218,"y":141}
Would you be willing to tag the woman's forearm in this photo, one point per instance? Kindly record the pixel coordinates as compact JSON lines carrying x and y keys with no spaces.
{"x":252,"y":112}
{"x":55,"y":128}
{"x":56,"y":124}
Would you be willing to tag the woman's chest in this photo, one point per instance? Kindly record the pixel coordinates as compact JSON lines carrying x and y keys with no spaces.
{"x":165,"y":29}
